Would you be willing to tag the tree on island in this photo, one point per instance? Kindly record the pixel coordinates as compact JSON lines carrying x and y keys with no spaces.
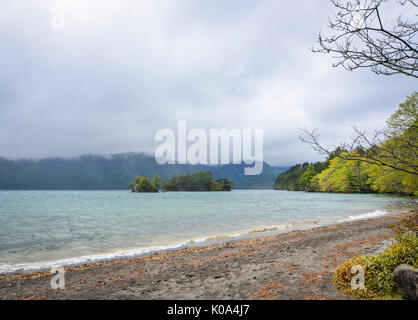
{"x":144,"y":184}
{"x":199,"y":181}
{"x":156,"y":181}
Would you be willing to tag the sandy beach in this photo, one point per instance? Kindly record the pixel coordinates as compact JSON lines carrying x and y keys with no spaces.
{"x":295,"y":265}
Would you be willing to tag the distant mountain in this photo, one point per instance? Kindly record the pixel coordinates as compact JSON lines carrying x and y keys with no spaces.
{"x":95,"y":172}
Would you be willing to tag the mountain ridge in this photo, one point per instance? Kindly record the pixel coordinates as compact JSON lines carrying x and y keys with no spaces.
{"x":98,"y":172}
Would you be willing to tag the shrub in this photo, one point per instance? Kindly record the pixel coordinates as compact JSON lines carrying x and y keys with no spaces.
{"x":378,"y":270}
{"x":144,"y":184}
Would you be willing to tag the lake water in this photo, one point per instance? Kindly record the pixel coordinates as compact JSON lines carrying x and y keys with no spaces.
{"x":41,"y":229}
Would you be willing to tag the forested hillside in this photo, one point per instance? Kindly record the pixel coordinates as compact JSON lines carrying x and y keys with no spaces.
{"x":115,"y":172}
{"x":388,"y":166}
{"x":298,"y":177}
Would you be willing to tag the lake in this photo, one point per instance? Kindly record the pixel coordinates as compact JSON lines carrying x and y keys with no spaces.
{"x":41,"y":229}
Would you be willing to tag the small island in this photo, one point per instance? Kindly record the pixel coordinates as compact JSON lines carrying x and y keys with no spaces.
{"x":144,"y":184}
{"x":199,"y":181}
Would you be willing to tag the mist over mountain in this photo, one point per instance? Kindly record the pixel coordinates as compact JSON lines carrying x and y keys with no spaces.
{"x":95,"y":172}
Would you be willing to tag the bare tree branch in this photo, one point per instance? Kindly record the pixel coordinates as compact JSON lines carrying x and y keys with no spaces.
{"x":380,"y":149}
{"x":362,"y":40}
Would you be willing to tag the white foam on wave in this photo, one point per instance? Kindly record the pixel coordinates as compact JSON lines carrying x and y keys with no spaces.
{"x":45,"y":265}
{"x":238,"y":234}
{"x":125,"y":254}
{"x":374,"y":214}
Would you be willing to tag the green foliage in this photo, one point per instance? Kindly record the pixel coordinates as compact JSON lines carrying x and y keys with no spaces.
{"x":156,"y":181}
{"x":343,"y":176}
{"x":388,"y":166}
{"x":378,"y":280}
{"x":387,"y":180}
{"x":221,"y":185}
{"x":402,"y":141}
{"x":379,"y":269}
{"x":299,"y":177}
{"x":355,"y":176}
{"x":199,"y":181}
{"x":346,"y":176}
{"x":405,"y":119}
{"x":335,"y":153}
{"x":144,"y":184}
{"x":399,"y":150}
{"x":307,"y":176}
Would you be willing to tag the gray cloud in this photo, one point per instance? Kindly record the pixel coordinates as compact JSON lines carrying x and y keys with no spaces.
{"x":121,"y":70}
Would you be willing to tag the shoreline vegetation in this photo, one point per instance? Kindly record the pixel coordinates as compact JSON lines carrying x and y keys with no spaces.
{"x":199,"y":181}
{"x":385,"y":163}
{"x":379,"y":269}
{"x":294,"y":265}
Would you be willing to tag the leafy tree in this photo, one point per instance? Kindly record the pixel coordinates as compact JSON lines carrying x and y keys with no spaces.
{"x":357,"y":176}
{"x":142,"y":184}
{"x":386,"y":180}
{"x":307,"y":177}
{"x":343,"y":176}
{"x":199,"y":181}
{"x":334,"y":178}
{"x":222,"y":185}
{"x":394,"y":147}
{"x":348,"y":176}
{"x":156,"y":181}
{"x":300,"y":177}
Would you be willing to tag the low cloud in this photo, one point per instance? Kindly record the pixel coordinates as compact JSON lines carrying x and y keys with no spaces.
{"x":121,"y":70}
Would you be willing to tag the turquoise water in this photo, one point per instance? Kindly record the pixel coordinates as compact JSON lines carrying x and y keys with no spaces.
{"x":39,"y":229}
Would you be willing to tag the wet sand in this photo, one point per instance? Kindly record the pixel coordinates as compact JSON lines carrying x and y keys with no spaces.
{"x":295,"y":265}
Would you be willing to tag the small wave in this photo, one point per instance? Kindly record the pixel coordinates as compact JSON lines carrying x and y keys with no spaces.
{"x":124,"y":254}
{"x":45,"y":265}
{"x":197,"y":240}
{"x":374,"y":214}
{"x":217,"y":238}
{"x":271,"y":228}
{"x":223,"y":236}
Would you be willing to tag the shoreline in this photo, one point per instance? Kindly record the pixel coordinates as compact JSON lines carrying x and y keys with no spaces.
{"x":292,"y":265}
{"x":208,"y":240}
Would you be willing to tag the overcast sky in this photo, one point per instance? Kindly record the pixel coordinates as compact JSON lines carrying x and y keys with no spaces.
{"x":122,"y":69}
